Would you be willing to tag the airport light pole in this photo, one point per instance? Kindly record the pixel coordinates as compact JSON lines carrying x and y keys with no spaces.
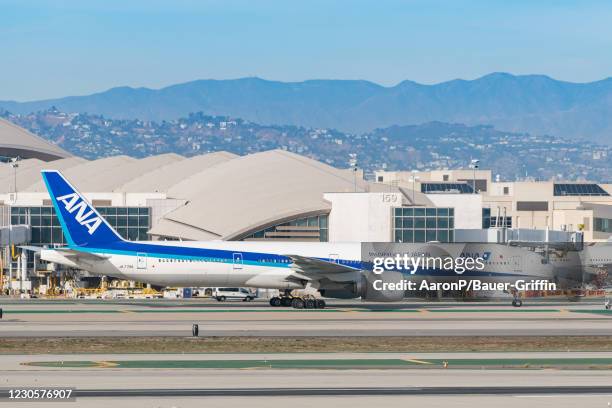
{"x":414,"y":178}
{"x":353,"y":164}
{"x":10,"y":253}
{"x":14,"y":165}
{"x":474,"y":164}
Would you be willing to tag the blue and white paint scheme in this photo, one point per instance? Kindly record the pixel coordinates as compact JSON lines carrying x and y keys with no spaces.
{"x":93,"y":245}
{"x":336,"y":269}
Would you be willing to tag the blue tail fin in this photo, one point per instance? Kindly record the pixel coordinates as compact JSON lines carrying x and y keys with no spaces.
{"x":81,"y":223}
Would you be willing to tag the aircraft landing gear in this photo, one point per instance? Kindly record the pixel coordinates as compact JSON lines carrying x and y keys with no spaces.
{"x":517,"y":303}
{"x":297,"y":303}
{"x":516,"y":299}
{"x":284,"y":300}
{"x":306,"y":302}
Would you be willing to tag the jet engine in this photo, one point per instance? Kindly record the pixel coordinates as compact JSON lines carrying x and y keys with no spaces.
{"x":382,"y":288}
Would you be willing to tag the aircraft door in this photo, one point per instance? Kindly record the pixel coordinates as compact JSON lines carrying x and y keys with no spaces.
{"x":141,"y":260}
{"x":237,"y":261}
{"x":516,"y":263}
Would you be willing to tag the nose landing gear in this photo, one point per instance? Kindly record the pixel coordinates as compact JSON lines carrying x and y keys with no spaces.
{"x":516,"y":300}
{"x":517,"y":303}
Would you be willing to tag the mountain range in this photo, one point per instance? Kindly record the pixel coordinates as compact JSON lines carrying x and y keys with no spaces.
{"x":536,"y":104}
{"x":428,"y":146}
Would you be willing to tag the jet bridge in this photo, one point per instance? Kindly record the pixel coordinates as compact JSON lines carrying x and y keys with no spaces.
{"x":14,"y":235}
{"x":520,"y":235}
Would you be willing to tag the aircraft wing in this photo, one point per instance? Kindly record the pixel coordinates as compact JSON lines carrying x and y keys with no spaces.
{"x":315,"y":268}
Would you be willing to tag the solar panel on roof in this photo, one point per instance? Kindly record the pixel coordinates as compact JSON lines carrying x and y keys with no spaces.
{"x":461,"y":188}
{"x":579,"y":189}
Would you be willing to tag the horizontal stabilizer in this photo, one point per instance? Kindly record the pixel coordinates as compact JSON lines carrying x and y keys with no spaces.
{"x":71,"y":253}
{"x":30,"y":248}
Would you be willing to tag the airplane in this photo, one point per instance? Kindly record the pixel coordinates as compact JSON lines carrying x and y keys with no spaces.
{"x":336,"y":270}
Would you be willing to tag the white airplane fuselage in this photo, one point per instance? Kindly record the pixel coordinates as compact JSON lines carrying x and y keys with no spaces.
{"x":267,"y":265}
{"x":252,"y":264}
{"x":93,"y":245}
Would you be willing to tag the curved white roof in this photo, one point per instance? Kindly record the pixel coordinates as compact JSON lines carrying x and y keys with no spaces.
{"x":28,"y":172}
{"x":225,"y":196}
{"x":16,"y":141}
{"x":165,"y":177}
{"x":85,"y":175}
{"x":169,"y":228}
{"x":238,"y":196}
{"x":112,"y":178}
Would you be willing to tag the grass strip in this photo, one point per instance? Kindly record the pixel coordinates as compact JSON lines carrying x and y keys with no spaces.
{"x":113,"y":345}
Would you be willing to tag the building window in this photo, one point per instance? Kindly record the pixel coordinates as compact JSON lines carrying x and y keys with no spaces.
{"x":486,"y":218}
{"x":506,"y":190}
{"x":602,"y":225}
{"x":481,"y":184}
{"x":504,"y":222}
{"x":380,"y":179}
{"x":312,"y":228}
{"x":445,"y":177}
{"x":489,"y":221}
{"x":418,"y":224}
{"x":47,"y":230}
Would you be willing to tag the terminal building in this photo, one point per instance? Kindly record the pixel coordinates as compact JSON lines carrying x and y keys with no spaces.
{"x":273,"y":195}
{"x":557,"y":205}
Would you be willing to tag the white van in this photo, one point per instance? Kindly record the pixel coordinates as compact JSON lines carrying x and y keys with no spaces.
{"x":223,"y":294}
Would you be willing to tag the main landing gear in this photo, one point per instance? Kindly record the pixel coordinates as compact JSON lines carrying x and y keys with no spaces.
{"x":517,"y":303}
{"x":516,"y":300}
{"x":306,"y":302}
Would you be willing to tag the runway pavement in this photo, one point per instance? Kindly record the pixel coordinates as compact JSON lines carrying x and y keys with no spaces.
{"x":178,"y":385}
{"x":159,"y":318}
{"x":558,"y":379}
{"x":356,"y":401}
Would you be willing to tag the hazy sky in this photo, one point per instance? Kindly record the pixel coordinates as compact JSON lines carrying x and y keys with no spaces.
{"x":58,"y":48}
